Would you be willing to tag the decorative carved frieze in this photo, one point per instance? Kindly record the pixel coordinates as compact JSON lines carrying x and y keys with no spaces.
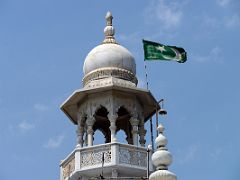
{"x":110,"y":72}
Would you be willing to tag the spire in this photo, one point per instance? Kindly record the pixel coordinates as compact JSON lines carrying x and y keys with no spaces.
{"x":109,"y":30}
{"x":162,"y":158}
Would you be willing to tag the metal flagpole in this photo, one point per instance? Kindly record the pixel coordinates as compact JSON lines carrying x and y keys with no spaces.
{"x":151,"y":124}
{"x":156,"y":121}
{"x":146,"y":74}
{"x":151,"y":129}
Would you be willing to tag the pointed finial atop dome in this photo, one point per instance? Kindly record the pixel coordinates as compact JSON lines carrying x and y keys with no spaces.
{"x":162,"y":158}
{"x":160,"y":128}
{"x":109,"y":29}
{"x":161,"y":140}
{"x":109,"y":18}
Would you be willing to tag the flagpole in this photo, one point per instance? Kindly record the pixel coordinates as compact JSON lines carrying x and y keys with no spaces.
{"x":151,"y":123}
{"x":146,"y":74}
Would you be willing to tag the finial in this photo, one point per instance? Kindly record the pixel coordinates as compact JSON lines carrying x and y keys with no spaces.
{"x":162,"y":158}
{"x":109,"y":29}
{"x":109,"y":18}
{"x":161,"y":141}
{"x":160,"y":128}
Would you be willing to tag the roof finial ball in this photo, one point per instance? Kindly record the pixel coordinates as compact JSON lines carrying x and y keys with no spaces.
{"x":109,"y":30}
{"x":162,"y":158}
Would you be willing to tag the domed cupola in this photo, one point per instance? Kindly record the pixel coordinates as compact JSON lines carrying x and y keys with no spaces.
{"x":109,"y":60}
{"x":109,"y":103}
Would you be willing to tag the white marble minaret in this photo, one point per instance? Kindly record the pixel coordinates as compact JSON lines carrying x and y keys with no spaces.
{"x":109,"y":101}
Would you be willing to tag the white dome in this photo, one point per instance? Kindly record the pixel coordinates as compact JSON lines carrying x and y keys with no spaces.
{"x":109,"y":55}
{"x":163,"y":175}
{"x":109,"y":61}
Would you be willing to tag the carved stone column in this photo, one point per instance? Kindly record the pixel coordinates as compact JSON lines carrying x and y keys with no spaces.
{"x":142,"y":132}
{"x":80,"y":130}
{"x":113,"y":127}
{"x":134,"y":122}
{"x":90,"y":121}
{"x":86,"y":137}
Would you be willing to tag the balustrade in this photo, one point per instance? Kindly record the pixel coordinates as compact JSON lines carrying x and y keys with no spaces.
{"x":115,"y":154}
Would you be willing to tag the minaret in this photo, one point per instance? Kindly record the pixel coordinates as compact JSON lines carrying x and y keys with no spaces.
{"x":162,"y":158}
{"x":109,"y":101}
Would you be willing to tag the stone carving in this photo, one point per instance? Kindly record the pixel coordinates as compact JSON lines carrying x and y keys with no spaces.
{"x":112,"y":103}
{"x":68,"y":167}
{"x":133,"y":156}
{"x":109,"y":72}
{"x":91,"y":157}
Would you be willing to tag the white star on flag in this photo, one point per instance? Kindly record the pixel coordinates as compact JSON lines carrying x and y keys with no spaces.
{"x":160,"y":48}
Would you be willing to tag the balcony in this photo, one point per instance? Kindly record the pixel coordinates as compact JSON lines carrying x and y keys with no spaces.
{"x":122,"y":158}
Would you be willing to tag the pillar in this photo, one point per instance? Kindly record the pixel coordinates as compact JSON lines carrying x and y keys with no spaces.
{"x":113,"y":127}
{"x":86,"y":137}
{"x":134,"y":122}
{"x":80,"y":130}
{"x":90,"y":121}
{"x":142,"y":132}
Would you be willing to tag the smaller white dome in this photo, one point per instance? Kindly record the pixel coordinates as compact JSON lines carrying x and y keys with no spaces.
{"x":161,"y":158}
{"x":163,"y":175}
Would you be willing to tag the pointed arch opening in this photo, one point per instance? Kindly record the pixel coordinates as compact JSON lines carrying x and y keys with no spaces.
{"x":101,"y":126}
{"x":121,"y":136}
{"x":99,"y":137}
{"x":124,"y":127}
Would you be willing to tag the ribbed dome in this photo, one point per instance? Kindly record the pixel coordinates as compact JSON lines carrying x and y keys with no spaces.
{"x":109,"y":55}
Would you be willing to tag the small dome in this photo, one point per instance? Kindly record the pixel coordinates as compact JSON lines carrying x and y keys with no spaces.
{"x":109,"y":55}
{"x":163,"y":175}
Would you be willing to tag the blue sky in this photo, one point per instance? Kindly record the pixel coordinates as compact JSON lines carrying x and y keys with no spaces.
{"x":43,"y":45}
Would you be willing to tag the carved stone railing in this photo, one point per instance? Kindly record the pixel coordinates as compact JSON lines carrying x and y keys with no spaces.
{"x":68,"y":166}
{"x":132,"y":156}
{"x":94,"y":155}
{"x":115,"y":154}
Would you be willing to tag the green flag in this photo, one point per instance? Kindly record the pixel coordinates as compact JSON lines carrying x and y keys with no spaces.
{"x":156,"y":51}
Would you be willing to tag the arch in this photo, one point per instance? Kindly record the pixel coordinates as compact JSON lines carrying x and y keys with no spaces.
{"x":122,"y":136}
{"x":102,"y":124}
{"x":101,"y":111}
{"x":99,"y":137}
{"x":123,"y":123}
{"x":122,"y":109}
